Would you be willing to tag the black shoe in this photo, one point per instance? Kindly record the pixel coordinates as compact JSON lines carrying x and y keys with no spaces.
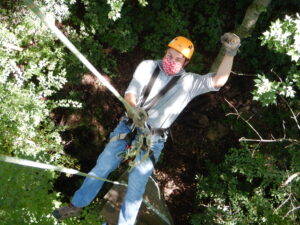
{"x":66,"y":212}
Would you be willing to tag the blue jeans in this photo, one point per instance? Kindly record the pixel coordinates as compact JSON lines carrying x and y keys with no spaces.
{"x":108,"y":161}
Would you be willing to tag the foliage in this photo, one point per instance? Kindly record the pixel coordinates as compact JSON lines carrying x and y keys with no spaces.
{"x":140,"y":29}
{"x":246,"y":189}
{"x":209,"y":25}
{"x":35,"y":66}
{"x":283,"y":36}
{"x":31,"y":71}
{"x":116,"y":7}
{"x":27,"y":198}
{"x":18,"y":204}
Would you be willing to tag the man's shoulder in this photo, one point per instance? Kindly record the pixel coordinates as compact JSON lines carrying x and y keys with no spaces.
{"x":149,"y":62}
{"x":145,"y":69}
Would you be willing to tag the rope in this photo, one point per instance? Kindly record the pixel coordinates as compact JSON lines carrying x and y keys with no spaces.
{"x":29,"y":163}
{"x":162,"y":216}
{"x":50,"y":23}
{"x":44,"y":166}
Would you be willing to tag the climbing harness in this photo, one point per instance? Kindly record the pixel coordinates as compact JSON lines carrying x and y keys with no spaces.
{"x":137,"y":139}
{"x":161,"y":93}
{"x":146,"y":91}
{"x":144,"y":134}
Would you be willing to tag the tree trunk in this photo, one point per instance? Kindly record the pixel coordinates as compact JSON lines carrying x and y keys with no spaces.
{"x":246,"y":28}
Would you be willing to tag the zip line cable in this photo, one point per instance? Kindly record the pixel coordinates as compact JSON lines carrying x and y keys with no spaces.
{"x":44,"y":166}
{"x":51,"y":25}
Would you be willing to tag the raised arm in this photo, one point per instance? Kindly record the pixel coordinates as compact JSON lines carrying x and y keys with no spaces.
{"x":231,"y":43}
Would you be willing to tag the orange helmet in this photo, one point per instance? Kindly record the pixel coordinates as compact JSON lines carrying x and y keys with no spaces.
{"x":182,"y":45}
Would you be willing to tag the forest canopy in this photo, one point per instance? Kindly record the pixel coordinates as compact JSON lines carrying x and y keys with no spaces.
{"x":248,"y":175}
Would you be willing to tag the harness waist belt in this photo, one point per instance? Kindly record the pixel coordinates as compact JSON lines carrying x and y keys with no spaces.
{"x":159,"y":131}
{"x":154,"y":131}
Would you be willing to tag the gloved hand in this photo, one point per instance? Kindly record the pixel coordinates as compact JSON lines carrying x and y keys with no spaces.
{"x":231,"y":43}
{"x":143,"y":116}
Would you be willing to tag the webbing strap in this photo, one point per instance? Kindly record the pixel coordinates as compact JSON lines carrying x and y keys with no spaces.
{"x":117,"y":137}
{"x":162,"y":92}
{"x":146,"y":91}
{"x":125,"y":136}
{"x":152,"y":158}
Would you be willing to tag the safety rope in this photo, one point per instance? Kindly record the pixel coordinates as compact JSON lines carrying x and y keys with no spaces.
{"x":50,"y":23}
{"x":44,"y":166}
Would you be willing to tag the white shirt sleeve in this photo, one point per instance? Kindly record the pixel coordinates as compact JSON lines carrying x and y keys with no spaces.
{"x":202,"y":84}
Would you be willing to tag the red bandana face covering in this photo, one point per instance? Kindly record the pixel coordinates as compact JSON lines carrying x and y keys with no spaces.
{"x":171,"y":67}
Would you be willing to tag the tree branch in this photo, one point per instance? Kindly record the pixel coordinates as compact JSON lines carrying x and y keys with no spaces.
{"x":285,"y":201}
{"x":294,"y":115}
{"x":292,"y":210}
{"x":269,"y":140}
{"x":239,"y":116}
{"x":290,"y":179}
{"x":261,"y":139}
{"x":11,"y":46}
{"x":245,"y":29}
{"x":243,"y":74}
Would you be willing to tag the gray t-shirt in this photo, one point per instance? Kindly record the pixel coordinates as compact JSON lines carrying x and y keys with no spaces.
{"x":167,"y":109}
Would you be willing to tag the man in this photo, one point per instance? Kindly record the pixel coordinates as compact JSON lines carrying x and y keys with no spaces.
{"x":156,"y":110}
